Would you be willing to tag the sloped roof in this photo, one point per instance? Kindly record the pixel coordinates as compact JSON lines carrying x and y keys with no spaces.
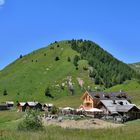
{"x":32,"y":103}
{"x":3,"y":105}
{"x":117,"y":105}
{"x":107,"y":96}
{"x":48,"y":105}
{"x":93,"y":110}
{"x":124,"y":108}
{"x":28,"y":103}
{"x":22,"y":103}
{"x":9,"y":102}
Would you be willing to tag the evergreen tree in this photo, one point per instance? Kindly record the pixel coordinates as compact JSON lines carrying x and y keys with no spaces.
{"x":69,"y":59}
{"x":5,"y":92}
{"x":48,"y":93}
{"x":20,"y":56}
{"x":57,"y":58}
{"x":97,"y":80}
{"x":75,"y":60}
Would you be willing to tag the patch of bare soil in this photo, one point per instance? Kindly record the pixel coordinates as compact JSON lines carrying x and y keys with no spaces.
{"x":83,"y":124}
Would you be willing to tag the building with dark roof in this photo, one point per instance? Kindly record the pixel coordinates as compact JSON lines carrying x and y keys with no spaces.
{"x":91,"y":99}
{"x":110,"y":103}
{"x":4,"y":107}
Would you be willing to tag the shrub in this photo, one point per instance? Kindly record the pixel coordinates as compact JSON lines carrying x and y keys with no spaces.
{"x":52,"y":48}
{"x":54,"y":110}
{"x":85,"y":68}
{"x":75,"y":60}
{"x":77,"y":68}
{"x":57,"y":58}
{"x":48,"y":93}
{"x":5,"y":92}
{"x":32,"y":121}
{"x":69,"y":59}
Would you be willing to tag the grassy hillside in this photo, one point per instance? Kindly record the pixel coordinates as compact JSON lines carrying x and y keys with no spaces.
{"x":28,"y":77}
{"x":132,"y":87}
{"x":107,"y":70}
{"x":55,"y":66}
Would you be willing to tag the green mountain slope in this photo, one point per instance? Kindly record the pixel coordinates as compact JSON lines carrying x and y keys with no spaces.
{"x":28,"y":77}
{"x":135,"y":66}
{"x":107,"y":70}
{"x":62,"y":67}
{"x":132,"y":87}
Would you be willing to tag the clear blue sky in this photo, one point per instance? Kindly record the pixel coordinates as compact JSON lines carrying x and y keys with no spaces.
{"x":26,"y":25}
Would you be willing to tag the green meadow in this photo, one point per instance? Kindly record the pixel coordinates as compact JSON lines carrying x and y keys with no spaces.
{"x":130,"y":131}
{"x":27,"y":78}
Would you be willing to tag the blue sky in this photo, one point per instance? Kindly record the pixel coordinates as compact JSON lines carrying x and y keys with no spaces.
{"x":26,"y":25}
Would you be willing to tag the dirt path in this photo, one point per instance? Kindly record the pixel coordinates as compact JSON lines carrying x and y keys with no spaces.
{"x":83,"y":124}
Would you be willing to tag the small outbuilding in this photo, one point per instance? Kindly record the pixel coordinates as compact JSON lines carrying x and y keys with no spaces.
{"x":21,"y":106}
{"x":48,"y":106}
{"x":3,"y":107}
{"x":10,"y":104}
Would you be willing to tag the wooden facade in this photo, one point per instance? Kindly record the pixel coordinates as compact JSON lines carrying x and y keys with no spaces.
{"x":89,"y":102}
{"x":110,"y":104}
{"x":23,"y":106}
{"x":3,"y":107}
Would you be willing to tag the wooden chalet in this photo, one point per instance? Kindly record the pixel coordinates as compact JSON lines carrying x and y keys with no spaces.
{"x":3,"y":107}
{"x":47,"y":107}
{"x":23,"y":106}
{"x":91,"y":99}
{"x":110,"y":103}
{"x":10,"y":104}
{"x":34,"y":105}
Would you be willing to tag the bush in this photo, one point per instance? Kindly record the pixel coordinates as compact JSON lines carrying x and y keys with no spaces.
{"x":85,"y":68}
{"x":52,"y":48}
{"x":48,"y":93}
{"x":54,"y":110}
{"x":5,"y":92}
{"x":77,"y":68}
{"x":75,"y":60}
{"x":57,"y":58}
{"x":32,"y":121}
{"x":69,"y":59}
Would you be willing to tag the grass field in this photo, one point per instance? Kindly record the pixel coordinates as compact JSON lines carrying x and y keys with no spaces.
{"x":128,"y":132}
{"x":10,"y":119}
